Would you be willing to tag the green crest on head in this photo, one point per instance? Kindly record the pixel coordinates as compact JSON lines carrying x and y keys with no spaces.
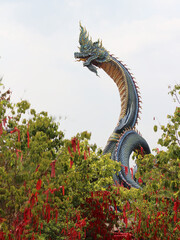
{"x":84,"y":37}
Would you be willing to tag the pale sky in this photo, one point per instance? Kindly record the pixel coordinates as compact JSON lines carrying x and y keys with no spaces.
{"x":38,"y":39}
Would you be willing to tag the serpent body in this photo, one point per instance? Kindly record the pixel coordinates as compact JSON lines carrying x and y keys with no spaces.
{"x":124,"y":139}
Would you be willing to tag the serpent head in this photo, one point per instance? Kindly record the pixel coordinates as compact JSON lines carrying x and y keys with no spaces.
{"x":90,"y":52}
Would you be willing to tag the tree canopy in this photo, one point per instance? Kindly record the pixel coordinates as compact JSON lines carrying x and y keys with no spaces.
{"x":57,"y":188}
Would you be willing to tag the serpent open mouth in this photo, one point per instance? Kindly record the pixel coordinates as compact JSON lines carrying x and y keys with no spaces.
{"x":81,"y":56}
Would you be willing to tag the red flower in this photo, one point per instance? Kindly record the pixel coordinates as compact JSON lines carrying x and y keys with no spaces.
{"x":38,"y":185}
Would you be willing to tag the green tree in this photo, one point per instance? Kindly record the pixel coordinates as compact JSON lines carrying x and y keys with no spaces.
{"x":47,"y":183}
{"x":55,"y":188}
{"x":154,"y":212}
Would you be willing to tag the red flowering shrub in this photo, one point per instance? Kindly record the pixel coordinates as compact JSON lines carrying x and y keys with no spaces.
{"x":45,"y":179}
{"x":53,"y":188}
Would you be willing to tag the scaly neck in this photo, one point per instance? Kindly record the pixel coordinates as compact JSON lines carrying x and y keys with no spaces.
{"x":128,"y":93}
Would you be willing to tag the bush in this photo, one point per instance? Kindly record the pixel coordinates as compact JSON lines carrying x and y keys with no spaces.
{"x":46,"y":181}
{"x":55,"y":188}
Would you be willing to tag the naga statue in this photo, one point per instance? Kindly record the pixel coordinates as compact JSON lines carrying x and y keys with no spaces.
{"x":125,"y":139}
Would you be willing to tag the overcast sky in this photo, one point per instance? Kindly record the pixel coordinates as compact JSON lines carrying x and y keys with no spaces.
{"x":38,"y":39}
